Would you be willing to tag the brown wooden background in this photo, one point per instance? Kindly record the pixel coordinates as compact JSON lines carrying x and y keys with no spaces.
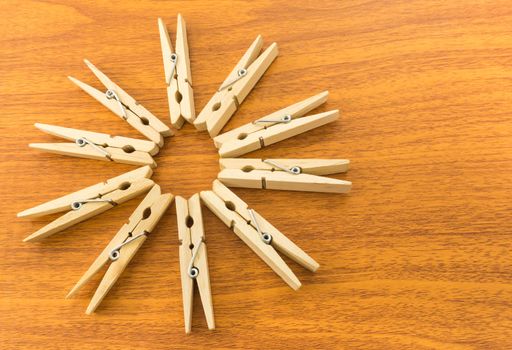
{"x":417,"y":256}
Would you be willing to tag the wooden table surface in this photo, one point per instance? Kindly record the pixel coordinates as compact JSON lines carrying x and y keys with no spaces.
{"x":417,"y":256}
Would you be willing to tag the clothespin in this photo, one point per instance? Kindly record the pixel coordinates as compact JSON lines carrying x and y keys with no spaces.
{"x":95,"y":145}
{"x":178,"y":76}
{"x":275,"y":127}
{"x":124,"y":245}
{"x":193,"y":259}
{"x":125,"y":106}
{"x":263,"y":238}
{"x":236,"y":87}
{"x":285,"y":174}
{"x":90,"y":201}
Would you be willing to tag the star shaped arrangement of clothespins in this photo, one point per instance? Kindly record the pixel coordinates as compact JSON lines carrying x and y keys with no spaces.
{"x":252,"y":228}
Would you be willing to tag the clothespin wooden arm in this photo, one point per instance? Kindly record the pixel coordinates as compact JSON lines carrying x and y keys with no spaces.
{"x":307,"y":166}
{"x":113,"y":273}
{"x":247,"y":59}
{"x":239,"y":90}
{"x":285,"y":245}
{"x":63,"y":203}
{"x":102,"y":259}
{"x":280,"y":180}
{"x":90,"y":209}
{"x":255,"y":71}
{"x":191,"y":234}
{"x":167,"y":50}
{"x":250,"y":237}
{"x":296,"y":110}
{"x":215,"y":102}
{"x":92,"y":152}
{"x":149,"y":215}
{"x":276,"y":133}
{"x":101,"y":139}
{"x":133,"y":112}
{"x":289,"y":248}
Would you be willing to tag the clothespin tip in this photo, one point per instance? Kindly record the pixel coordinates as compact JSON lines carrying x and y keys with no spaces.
{"x":28,"y":239}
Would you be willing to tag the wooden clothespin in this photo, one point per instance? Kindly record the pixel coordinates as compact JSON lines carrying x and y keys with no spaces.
{"x":178,"y":76}
{"x":95,"y":145}
{"x":263,"y":238}
{"x":90,"y":201}
{"x":193,"y":259}
{"x":125,"y":244}
{"x":236,"y":87}
{"x":125,"y":106}
{"x":275,"y":127}
{"x":285,"y":174}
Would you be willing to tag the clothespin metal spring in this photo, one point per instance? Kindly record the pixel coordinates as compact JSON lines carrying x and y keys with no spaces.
{"x":284,"y":119}
{"x":294,"y":170}
{"x":111,"y":94}
{"x":174,"y":60}
{"x":78,"y":204}
{"x":240,"y":74}
{"x":82,"y":141}
{"x":116,"y":252}
{"x":193,"y":271}
{"x":265,"y":237}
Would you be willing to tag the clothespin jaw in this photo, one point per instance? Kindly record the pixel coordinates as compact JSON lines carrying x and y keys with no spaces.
{"x":178,"y":76}
{"x":236,"y":87}
{"x":125,"y":245}
{"x":263,"y":238}
{"x":193,"y":259}
{"x":99,"y":146}
{"x":284,"y":115}
{"x":125,"y":106}
{"x":276,"y":133}
{"x":285,"y":174}
{"x":90,"y":201}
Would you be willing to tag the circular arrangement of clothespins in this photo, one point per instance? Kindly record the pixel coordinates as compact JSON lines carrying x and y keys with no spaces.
{"x":274,"y":174}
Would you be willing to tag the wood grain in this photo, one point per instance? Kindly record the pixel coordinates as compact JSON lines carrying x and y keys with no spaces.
{"x":417,"y":256}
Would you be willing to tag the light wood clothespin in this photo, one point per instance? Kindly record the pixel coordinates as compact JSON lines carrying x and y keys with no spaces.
{"x":90,"y":201}
{"x":95,"y":145}
{"x":236,"y":87}
{"x":178,"y":75}
{"x":193,"y":259}
{"x":263,"y":238}
{"x":126,"y":107}
{"x":285,"y":174}
{"x":275,"y":127}
{"x":124,"y":245}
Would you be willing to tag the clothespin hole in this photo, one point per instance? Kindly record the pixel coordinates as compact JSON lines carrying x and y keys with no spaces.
{"x":230,"y":88}
{"x":146,"y":214}
{"x":216,"y":106}
{"x":242,"y":136}
{"x":230,"y":205}
{"x":247,"y":169}
{"x":124,"y":186}
{"x":128,"y":149}
{"x":191,"y":246}
{"x":178,"y":96}
{"x":144,"y":121}
{"x":189,"y":221}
